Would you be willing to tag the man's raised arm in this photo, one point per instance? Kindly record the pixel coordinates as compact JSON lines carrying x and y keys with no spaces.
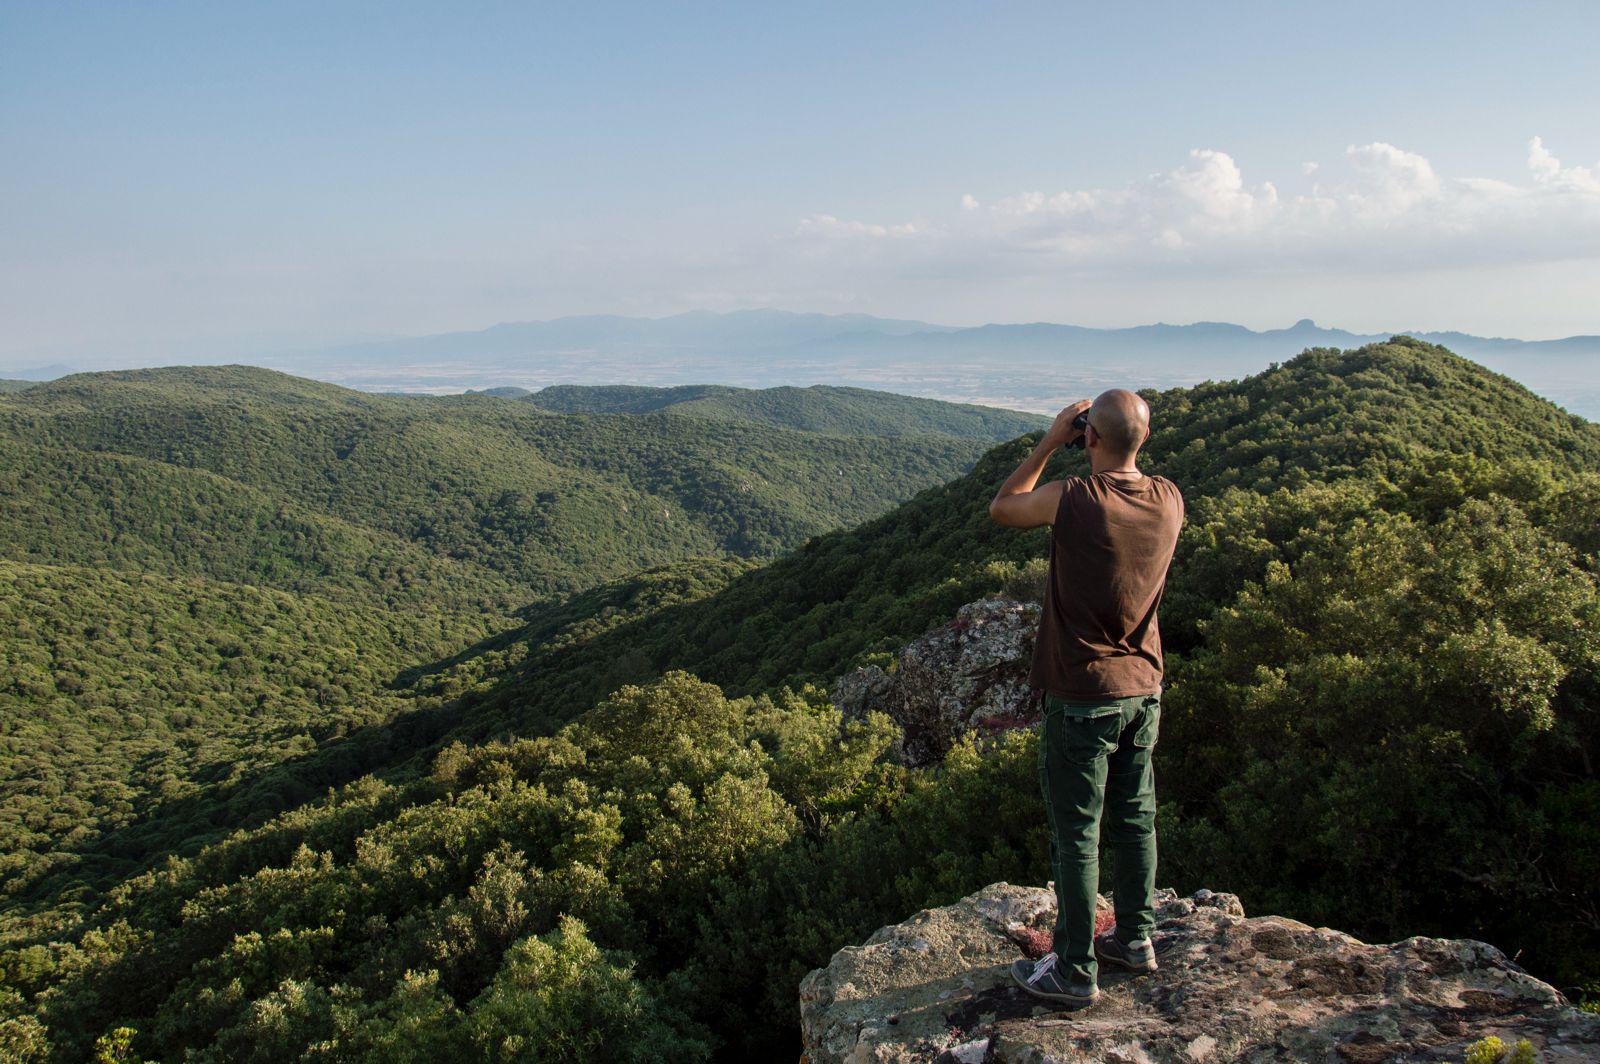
{"x":1018,"y":504}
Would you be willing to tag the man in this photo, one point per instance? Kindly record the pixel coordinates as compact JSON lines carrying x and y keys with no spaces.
{"x":1098,"y":666}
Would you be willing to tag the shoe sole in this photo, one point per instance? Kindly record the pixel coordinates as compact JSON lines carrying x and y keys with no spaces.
{"x":1060,"y":999}
{"x":1106,"y":958}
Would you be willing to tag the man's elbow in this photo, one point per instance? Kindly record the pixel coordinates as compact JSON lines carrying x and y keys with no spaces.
{"x":1003,"y":511}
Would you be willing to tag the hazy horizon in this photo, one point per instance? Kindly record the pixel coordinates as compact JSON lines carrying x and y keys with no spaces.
{"x":213,"y":350}
{"x":1035,"y":367}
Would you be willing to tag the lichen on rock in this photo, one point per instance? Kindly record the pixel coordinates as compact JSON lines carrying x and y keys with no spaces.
{"x":1230,"y":988}
{"x":968,"y":675}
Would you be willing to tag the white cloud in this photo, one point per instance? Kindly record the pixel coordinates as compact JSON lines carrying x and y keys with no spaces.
{"x":1548,"y":171}
{"x":828,"y":225}
{"x":1389,"y":182}
{"x":1381,"y":209}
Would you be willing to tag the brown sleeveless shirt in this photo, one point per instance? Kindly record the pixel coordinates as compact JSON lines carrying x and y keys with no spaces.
{"x":1110,"y":547}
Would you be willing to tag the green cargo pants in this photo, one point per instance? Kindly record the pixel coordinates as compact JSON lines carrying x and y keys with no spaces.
{"x":1094,"y":756}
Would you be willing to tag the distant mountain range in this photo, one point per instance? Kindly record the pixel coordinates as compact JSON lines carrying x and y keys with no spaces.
{"x":1026,"y":366}
{"x":1032,"y":367}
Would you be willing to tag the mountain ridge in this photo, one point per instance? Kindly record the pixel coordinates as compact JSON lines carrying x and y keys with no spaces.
{"x":816,"y":408}
{"x":1030,"y":365}
{"x":553,"y":501}
{"x":1036,"y":364}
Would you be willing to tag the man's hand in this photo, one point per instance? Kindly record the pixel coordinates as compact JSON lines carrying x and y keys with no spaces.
{"x":1018,"y":504}
{"x":1061,"y":431}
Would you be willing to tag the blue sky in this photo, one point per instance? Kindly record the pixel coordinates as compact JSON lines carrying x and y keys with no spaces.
{"x":190,"y":177}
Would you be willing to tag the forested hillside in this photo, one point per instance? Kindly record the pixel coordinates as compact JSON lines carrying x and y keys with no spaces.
{"x":210,"y":573}
{"x":819,"y":408}
{"x":549,"y":503}
{"x":626,"y":831}
{"x":141,"y":712}
{"x":134,"y":514}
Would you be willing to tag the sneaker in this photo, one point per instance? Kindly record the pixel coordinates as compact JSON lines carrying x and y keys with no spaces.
{"x":1136,"y":956}
{"x":1042,"y":978}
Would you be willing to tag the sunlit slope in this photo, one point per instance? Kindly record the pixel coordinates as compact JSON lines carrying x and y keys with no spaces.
{"x":1379,"y":415}
{"x":149,"y":512}
{"x":140,"y":712}
{"x":68,"y":506}
{"x":1328,"y":413}
{"x":818,"y":408}
{"x":808,"y":615}
{"x":552,"y":502}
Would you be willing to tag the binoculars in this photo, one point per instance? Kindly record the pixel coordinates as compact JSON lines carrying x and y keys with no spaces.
{"x":1081,"y":423}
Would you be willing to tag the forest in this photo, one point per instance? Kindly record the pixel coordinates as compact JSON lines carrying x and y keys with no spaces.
{"x":242,"y":473}
{"x":211,"y":573}
{"x":818,"y":408}
{"x":625,"y":822}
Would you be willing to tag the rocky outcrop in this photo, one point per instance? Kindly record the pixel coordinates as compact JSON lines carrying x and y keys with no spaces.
{"x":1230,"y":988}
{"x":968,"y":675}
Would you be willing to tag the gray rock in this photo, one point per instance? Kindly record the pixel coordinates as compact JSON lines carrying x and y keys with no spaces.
{"x":937,"y":987}
{"x":968,"y":675}
{"x":862,"y":691}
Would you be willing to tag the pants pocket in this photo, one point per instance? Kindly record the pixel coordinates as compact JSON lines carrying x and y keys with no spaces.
{"x":1085,"y":739}
{"x":1148,"y":727}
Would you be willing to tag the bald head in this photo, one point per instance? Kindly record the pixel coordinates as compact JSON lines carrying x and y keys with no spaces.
{"x":1121,"y":419}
